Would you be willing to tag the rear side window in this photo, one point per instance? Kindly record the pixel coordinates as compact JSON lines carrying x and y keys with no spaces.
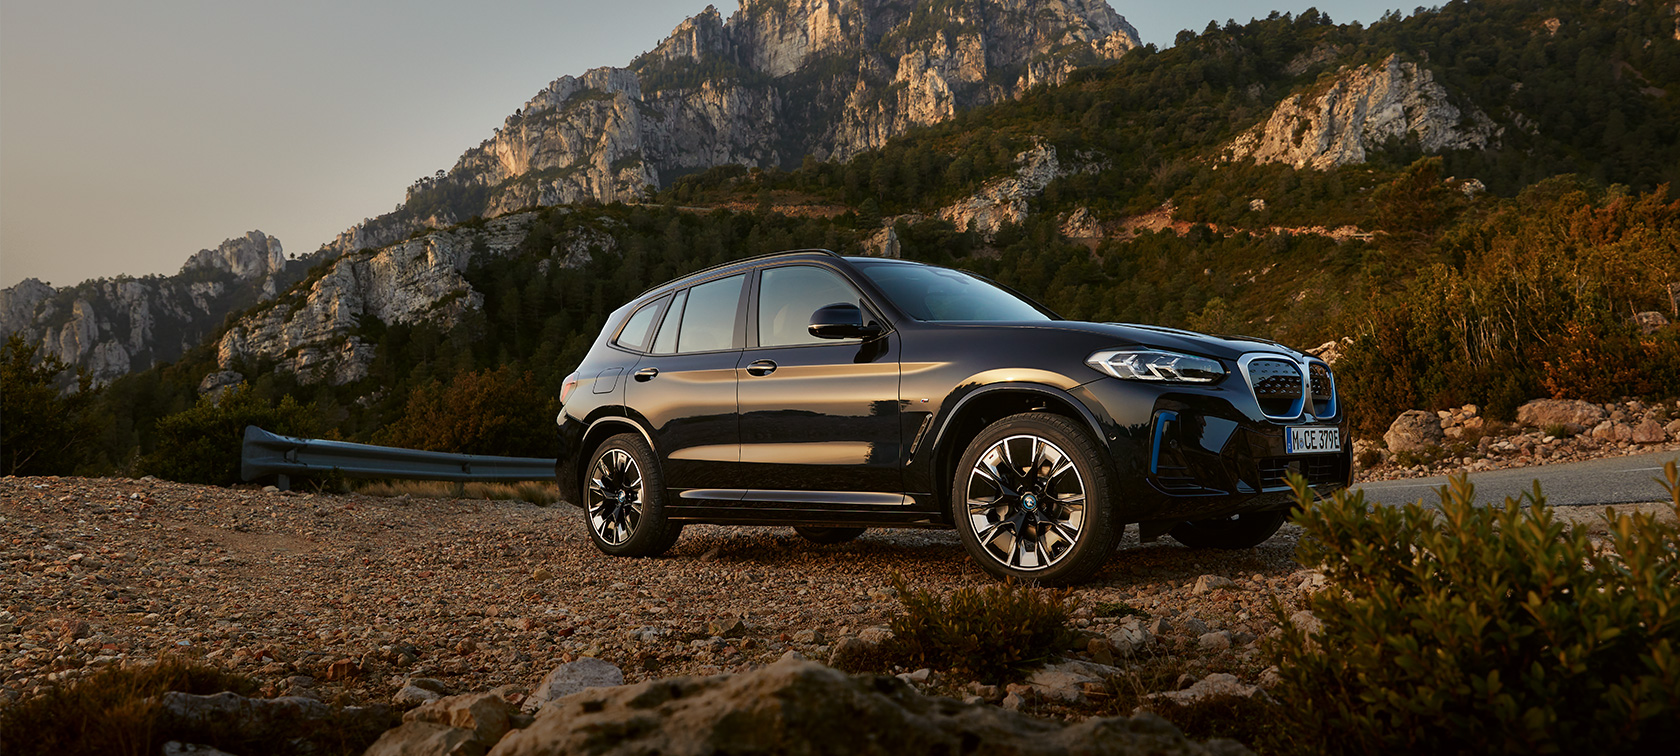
{"x":638,"y":330}
{"x":666,"y":343}
{"x":708,"y":321}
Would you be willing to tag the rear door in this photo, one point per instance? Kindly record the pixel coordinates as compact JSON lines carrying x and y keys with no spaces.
{"x":819,"y":417}
{"x":685,"y":390}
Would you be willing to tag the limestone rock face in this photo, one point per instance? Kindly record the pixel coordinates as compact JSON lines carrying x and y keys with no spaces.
{"x":1361,"y":109}
{"x":776,"y":80}
{"x":313,"y":333}
{"x":112,"y":326}
{"x":1005,"y":200}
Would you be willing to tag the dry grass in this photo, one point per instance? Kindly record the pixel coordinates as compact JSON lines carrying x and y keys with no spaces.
{"x":541,"y":494}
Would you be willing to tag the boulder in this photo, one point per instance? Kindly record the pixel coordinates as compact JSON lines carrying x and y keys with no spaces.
{"x":414,"y":695}
{"x":1209,"y":583}
{"x":1572,"y":414}
{"x":1216,"y":641}
{"x":1414,"y":431}
{"x":572,"y":677}
{"x":427,"y":739}
{"x":795,"y":707}
{"x":1131,"y":636}
{"x":1649,"y":432}
{"x":486,"y":716}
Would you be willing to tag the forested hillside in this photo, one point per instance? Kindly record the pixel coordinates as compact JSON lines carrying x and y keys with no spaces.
{"x":1490,"y":274}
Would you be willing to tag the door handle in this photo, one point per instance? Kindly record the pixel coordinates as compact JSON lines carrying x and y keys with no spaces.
{"x":761,"y":367}
{"x":646,"y":374}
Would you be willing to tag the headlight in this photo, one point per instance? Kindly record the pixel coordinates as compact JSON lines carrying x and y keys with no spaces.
{"x":1156,"y":365}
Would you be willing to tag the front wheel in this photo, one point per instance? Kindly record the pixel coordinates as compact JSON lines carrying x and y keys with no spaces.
{"x":1243,"y":531}
{"x":624,"y":500}
{"x":1031,"y":500}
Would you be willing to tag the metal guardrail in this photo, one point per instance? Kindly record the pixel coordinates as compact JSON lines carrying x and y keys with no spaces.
{"x":265,"y":453}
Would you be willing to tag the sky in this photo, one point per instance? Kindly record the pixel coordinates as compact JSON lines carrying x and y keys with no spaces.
{"x":134,"y":134}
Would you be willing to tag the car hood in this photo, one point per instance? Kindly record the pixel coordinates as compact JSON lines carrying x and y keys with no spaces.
{"x":1173,"y":339}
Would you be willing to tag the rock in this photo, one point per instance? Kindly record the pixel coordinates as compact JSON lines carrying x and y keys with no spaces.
{"x":853,"y":654}
{"x":727,"y":627}
{"x":1214,"y":642}
{"x":1673,"y":428}
{"x":485,"y":715}
{"x":1130,"y":636}
{"x":1195,"y":626}
{"x":1013,"y":701}
{"x":1414,"y":431}
{"x":875,"y":635}
{"x":427,"y":739}
{"x":427,"y":683}
{"x":1359,"y":110}
{"x":542,"y":575}
{"x":649,"y":634}
{"x":1065,"y":681}
{"x":1207,"y":583}
{"x":806,"y":708}
{"x":1217,"y":685}
{"x":811,"y":637}
{"x":1573,"y":414}
{"x":1649,"y":432}
{"x":990,"y":693}
{"x":1159,"y":626}
{"x":1271,"y":677}
{"x":269,"y":718}
{"x":572,"y":677}
{"x":792,"y":654}
{"x":412,"y":695}
{"x":1306,"y":622}
{"x":1007,"y":200}
{"x":1650,"y":322}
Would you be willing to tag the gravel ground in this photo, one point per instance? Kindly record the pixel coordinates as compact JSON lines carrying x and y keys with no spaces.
{"x":342,"y":596}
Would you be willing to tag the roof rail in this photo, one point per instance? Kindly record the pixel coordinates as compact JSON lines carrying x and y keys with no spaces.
{"x":720,"y":266}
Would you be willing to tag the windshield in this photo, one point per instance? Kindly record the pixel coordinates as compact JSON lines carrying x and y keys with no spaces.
{"x":927,"y":293}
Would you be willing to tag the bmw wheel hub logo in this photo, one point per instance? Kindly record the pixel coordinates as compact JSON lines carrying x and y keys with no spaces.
{"x":1029,"y":502}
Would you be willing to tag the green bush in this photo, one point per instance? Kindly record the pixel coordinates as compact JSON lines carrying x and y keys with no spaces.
{"x":502,"y":412}
{"x":202,"y":444}
{"x":46,"y":430}
{"x":1470,"y":629}
{"x":991,"y":633}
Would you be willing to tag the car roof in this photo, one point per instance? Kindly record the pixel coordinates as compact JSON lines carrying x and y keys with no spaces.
{"x":792,"y":254}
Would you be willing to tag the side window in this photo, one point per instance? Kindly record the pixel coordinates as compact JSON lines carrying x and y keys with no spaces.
{"x":708,"y":321}
{"x":638,"y":330}
{"x":667,"y":341}
{"x":789,"y":296}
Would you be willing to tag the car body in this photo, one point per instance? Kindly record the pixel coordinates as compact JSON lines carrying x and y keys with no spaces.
{"x":755,"y":419}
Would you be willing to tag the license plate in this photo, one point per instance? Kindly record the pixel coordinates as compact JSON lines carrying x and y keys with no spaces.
{"x":1311,"y":440}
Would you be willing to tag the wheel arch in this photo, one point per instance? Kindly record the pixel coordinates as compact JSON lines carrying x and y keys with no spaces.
{"x":987,"y":405}
{"x":600,"y":429}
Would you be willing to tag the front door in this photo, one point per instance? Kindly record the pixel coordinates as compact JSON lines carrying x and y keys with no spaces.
{"x":819,"y":417}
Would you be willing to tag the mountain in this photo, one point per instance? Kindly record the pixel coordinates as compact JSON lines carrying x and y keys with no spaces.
{"x":775,"y":82}
{"x":112,"y":326}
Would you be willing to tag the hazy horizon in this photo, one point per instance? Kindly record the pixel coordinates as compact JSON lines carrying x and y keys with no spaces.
{"x":133,"y":135}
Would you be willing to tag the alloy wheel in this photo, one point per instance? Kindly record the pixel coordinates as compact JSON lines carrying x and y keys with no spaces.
{"x":1026,"y":503}
{"x":615,"y":497}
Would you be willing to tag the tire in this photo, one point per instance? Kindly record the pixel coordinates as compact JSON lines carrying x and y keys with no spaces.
{"x":1243,"y":531}
{"x":1063,"y":511}
{"x":828,"y":535}
{"x":624,"y":500}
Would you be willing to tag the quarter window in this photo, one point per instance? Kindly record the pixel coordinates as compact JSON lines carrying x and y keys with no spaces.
{"x":708,"y":321}
{"x":789,"y":296}
{"x":639,"y":327}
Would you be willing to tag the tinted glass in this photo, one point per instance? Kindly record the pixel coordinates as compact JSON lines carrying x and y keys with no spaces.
{"x":667,"y":341}
{"x":709,"y":319}
{"x":640,"y":326}
{"x":927,"y":293}
{"x":787,"y":297}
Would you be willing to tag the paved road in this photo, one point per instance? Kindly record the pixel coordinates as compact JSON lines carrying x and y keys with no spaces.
{"x":1619,"y":480}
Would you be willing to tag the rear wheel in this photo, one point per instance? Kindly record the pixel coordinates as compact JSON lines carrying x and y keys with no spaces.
{"x":1030,"y":500}
{"x":1241,"y":531}
{"x":828,"y":535}
{"x":624,"y":500}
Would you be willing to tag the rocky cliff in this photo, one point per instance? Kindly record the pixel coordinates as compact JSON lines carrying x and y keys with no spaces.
{"x":314,"y":331}
{"x":112,"y":326}
{"x":773,"y":82}
{"x":1335,"y":123}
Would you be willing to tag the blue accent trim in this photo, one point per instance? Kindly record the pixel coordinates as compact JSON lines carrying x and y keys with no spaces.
{"x":1161,"y":420}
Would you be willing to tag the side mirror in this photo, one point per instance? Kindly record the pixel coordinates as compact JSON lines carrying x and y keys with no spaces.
{"x":841,"y":321}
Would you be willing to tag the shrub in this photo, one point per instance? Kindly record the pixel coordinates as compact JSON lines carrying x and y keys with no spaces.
{"x":113,"y":711}
{"x":990,"y":633}
{"x":46,"y":431}
{"x":1468,"y":629}
{"x":499,"y":412}
{"x":202,"y":444}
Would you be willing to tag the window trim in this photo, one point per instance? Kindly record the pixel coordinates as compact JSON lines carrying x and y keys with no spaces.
{"x":658,"y":317}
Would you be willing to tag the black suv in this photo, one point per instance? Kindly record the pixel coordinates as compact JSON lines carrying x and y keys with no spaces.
{"x":836,"y":393}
